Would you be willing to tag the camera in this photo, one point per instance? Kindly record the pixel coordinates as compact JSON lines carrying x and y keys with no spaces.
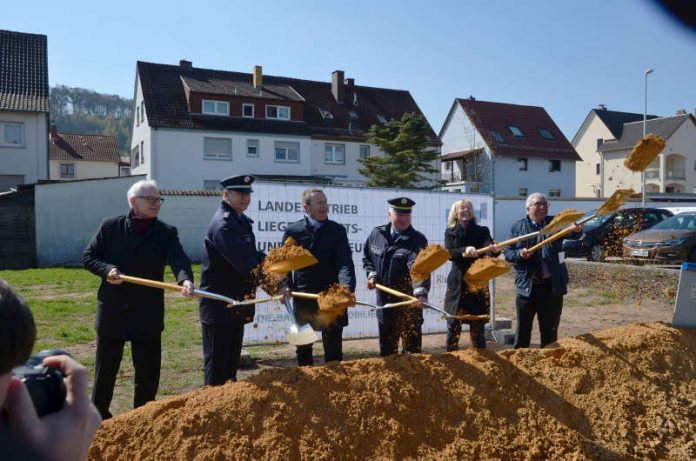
{"x":45,"y":384}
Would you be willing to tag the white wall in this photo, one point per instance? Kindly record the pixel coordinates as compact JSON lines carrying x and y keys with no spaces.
{"x":587,"y":181}
{"x":31,"y":159}
{"x":509,"y":178}
{"x":85,"y":169}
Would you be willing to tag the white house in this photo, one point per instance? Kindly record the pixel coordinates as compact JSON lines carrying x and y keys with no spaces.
{"x":83,"y":156}
{"x":193,"y":127}
{"x":23,"y":109}
{"x":606,"y":138}
{"x":505,"y":149}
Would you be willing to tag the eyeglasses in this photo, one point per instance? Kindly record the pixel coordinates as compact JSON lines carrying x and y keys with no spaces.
{"x":540,"y":204}
{"x":152,"y":200}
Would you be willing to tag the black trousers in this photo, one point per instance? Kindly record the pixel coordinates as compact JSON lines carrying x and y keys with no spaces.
{"x":404,"y":324}
{"x":547,"y":306}
{"x":147,"y":361}
{"x":222,"y":348}
{"x":477,"y":334}
{"x":332,"y":340}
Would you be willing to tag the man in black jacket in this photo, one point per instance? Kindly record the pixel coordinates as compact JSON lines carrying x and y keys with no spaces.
{"x":226,"y":268}
{"x":541,"y":278}
{"x":137,"y":244}
{"x":389,"y":254}
{"x":328,"y":242}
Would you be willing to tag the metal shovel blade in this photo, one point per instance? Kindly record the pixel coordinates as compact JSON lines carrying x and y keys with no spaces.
{"x":302,"y":335}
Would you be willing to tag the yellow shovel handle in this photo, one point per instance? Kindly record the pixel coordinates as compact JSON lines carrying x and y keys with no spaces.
{"x":395,"y":292}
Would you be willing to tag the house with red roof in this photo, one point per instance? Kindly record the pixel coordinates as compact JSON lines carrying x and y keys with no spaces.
{"x":23,"y":109}
{"x":195,"y":126}
{"x":505,"y":149}
{"x":83,"y":156}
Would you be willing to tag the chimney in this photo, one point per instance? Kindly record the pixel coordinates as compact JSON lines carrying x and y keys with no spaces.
{"x":54,"y":131}
{"x":602,"y":106}
{"x":258,"y":77}
{"x":186,"y":65}
{"x":338,"y":88}
{"x":681,"y":112}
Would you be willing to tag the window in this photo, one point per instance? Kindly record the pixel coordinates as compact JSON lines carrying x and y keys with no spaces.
{"x":217,"y":149}
{"x":11,"y":134}
{"x":546,"y":134}
{"x":278,"y":112}
{"x":522,"y":191}
{"x":448,"y":166}
{"x":325,"y":113}
{"x":498,"y":137}
{"x":554,"y":193}
{"x":334,"y":153}
{"x":382,"y":119}
{"x":522,"y":162}
{"x":287,"y":151}
{"x":142,"y":152}
{"x":67,"y":170}
{"x":516,"y":132}
{"x":212,"y":184}
{"x":353,"y":115}
{"x":554,"y":165}
{"x":142,"y":111}
{"x":364,"y":150}
{"x":252,"y":147}
{"x":211,"y":107}
{"x":137,"y":116}
{"x":135,"y":156}
{"x":597,"y":167}
{"x":247,"y":110}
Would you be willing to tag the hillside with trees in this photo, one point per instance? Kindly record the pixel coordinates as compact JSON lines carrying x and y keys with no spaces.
{"x":78,"y":110}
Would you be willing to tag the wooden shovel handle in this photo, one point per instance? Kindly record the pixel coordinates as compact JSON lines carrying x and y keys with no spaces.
{"x":553,"y":238}
{"x":150,"y":283}
{"x":299,"y":294}
{"x":395,"y":292}
{"x":509,"y":242}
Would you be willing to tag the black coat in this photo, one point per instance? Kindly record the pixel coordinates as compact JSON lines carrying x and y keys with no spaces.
{"x":230,"y":255}
{"x":392,"y":260}
{"x":128,"y":311}
{"x":329,"y":244}
{"x":458,"y":294}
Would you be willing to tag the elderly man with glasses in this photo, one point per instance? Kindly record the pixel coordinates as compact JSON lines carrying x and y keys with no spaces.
{"x":541,"y":278}
{"x":136,"y":244}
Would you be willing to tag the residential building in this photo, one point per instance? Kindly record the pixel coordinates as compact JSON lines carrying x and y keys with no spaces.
{"x":193,"y":127}
{"x":23,"y":109}
{"x":505,"y":149}
{"x":607,"y":138}
{"x":82,"y":156}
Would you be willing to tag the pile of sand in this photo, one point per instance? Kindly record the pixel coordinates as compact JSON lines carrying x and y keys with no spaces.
{"x":623,"y":393}
{"x":289,"y":257}
{"x":428,"y":260}
{"x":483,"y":270}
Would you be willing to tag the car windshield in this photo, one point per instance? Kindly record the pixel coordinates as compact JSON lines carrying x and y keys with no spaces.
{"x":594,"y":223}
{"x":680,"y":221}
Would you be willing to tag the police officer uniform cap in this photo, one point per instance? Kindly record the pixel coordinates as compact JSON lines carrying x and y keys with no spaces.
{"x":241,"y":183}
{"x":401,"y":204}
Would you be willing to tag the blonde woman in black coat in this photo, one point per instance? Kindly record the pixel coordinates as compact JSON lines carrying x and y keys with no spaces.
{"x":462,"y":237}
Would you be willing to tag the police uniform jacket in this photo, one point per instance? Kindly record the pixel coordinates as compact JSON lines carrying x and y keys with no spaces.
{"x":529,"y":271}
{"x":456,"y":241}
{"x":229,"y":257}
{"x":128,"y":311}
{"x":329,"y":244}
{"x":392,"y":259}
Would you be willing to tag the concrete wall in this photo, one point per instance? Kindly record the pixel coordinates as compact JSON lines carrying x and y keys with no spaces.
{"x":31,"y":159}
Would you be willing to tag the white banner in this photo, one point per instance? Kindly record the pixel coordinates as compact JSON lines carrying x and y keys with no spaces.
{"x":275,"y":205}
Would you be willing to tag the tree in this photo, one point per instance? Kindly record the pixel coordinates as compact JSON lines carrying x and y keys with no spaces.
{"x":407,"y":162}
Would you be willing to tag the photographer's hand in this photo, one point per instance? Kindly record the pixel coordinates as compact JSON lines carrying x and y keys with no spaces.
{"x":66,"y":434}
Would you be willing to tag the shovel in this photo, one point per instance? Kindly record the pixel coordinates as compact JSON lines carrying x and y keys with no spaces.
{"x":200,"y":293}
{"x":612,"y":204}
{"x":299,"y":335}
{"x":287,"y":258}
{"x":428,"y":260}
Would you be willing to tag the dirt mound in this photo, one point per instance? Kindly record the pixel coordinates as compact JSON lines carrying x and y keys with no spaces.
{"x":615,"y":394}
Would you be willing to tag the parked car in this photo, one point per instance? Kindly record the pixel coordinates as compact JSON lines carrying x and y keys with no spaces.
{"x":603,"y":236}
{"x":672,"y":240}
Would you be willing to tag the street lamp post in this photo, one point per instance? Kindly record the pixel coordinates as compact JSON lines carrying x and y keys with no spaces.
{"x":645,"y":118}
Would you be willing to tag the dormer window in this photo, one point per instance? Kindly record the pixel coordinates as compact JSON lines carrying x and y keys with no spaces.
{"x":382,"y":119}
{"x":546,"y":134}
{"x":248,"y":110}
{"x":211,"y":107}
{"x":278,"y":112}
{"x":325,"y":113}
{"x":353,"y":115}
{"x":516,"y":132}
{"x":498,"y":137}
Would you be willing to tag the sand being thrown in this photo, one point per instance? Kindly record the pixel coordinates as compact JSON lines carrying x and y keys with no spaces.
{"x":428,"y":260}
{"x":623,"y":393}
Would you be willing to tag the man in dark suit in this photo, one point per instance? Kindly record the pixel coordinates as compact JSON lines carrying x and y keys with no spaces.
{"x":328,"y":242}
{"x":388,"y":256}
{"x":137,"y":244}
{"x":226,"y":268}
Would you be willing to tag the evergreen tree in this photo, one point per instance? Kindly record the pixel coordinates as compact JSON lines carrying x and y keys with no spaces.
{"x":407,"y":163}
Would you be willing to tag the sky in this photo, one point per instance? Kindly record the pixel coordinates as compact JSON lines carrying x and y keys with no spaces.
{"x":566,"y":56}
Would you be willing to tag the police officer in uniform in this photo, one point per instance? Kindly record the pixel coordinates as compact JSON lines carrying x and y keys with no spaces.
{"x":230,"y":255}
{"x":389,"y":253}
{"x":327,"y":240}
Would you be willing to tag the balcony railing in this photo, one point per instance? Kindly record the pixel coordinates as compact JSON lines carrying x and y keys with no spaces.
{"x":673,"y":173}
